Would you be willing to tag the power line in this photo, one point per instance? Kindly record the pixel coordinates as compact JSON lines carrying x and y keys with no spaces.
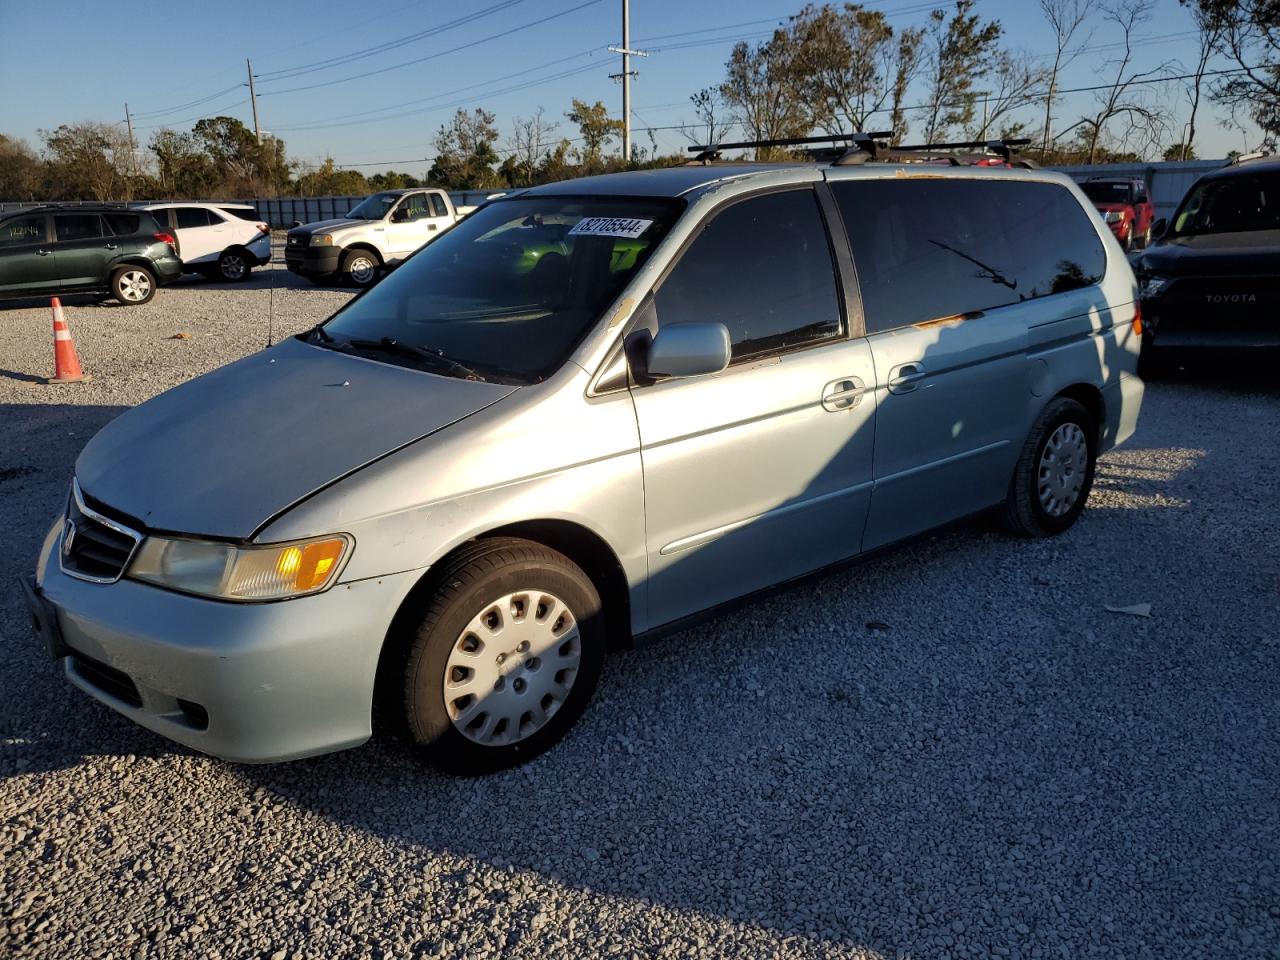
{"x":434,"y":56}
{"x":384,"y":47}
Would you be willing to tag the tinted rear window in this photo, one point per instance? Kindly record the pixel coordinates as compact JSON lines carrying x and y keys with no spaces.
{"x":77,"y":226}
{"x":1106,"y":191}
{"x":189,"y":217}
{"x":932,"y":248}
{"x":242,"y":213}
{"x":125,"y":224}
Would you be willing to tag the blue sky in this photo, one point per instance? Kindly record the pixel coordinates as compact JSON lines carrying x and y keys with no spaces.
{"x":186,"y":60}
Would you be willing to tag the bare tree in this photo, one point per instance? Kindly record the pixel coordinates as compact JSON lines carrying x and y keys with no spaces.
{"x":1015,"y":82}
{"x":909,"y":60}
{"x":1066,"y":18}
{"x":1211,"y":27}
{"x":531,"y":140}
{"x":1123,"y":94}
{"x":1250,"y":37}
{"x":712,"y":125}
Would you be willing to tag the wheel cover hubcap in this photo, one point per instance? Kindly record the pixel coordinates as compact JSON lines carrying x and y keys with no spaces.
{"x":1063,"y":464}
{"x":134,"y":285}
{"x":232,"y":268}
{"x":512,"y":668}
{"x":362,"y":270}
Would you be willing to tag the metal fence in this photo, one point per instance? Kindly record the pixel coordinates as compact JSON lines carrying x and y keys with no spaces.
{"x":1167,"y":181}
{"x":283,"y":212}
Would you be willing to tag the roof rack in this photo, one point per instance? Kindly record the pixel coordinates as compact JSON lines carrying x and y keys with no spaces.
{"x":1255,"y":155}
{"x":859,"y":147}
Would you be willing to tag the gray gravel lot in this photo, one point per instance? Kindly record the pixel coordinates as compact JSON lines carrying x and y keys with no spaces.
{"x":952,"y":749}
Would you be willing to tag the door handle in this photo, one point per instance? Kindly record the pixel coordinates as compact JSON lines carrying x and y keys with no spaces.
{"x":842,"y":394}
{"x":905,"y":377}
{"x":44,"y":253}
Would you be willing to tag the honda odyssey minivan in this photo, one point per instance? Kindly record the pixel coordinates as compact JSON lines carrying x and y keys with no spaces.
{"x":589,"y":412}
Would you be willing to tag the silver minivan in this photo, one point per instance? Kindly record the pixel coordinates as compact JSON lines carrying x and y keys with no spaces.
{"x":589,"y":412}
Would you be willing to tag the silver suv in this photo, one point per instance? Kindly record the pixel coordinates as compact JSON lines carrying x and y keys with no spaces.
{"x":588,"y":412}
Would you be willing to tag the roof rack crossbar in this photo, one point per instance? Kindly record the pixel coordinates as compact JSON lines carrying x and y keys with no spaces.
{"x":790,"y":141}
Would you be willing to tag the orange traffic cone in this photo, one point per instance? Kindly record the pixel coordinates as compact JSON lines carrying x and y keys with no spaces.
{"x":66,"y":365}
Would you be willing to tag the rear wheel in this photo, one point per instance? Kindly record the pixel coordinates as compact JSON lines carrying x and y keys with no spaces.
{"x":133,"y":285}
{"x":360,"y":268}
{"x":1054,"y":473}
{"x":504,"y":657}
{"x":233,"y":266}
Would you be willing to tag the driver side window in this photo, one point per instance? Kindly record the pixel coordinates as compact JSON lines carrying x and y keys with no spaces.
{"x":763,"y":268}
{"x":414,"y":207}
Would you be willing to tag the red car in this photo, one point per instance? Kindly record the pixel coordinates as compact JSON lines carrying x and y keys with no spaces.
{"x":1126,"y":206}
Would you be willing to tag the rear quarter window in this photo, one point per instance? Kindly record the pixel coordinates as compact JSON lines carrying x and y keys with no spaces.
{"x":242,"y":213}
{"x":127,"y":224}
{"x":926,"y":249}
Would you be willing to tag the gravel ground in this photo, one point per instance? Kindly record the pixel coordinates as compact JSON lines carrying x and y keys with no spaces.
{"x":953,"y":749}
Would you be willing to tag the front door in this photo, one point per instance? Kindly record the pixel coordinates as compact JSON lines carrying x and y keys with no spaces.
{"x":27,"y":259}
{"x":83,"y":249}
{"x":763,"y":472}
{"x":409,"y":226}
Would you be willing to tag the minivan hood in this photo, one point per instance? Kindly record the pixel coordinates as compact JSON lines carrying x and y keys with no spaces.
{"x":222,"y":454}
{"x":1220,"y":254}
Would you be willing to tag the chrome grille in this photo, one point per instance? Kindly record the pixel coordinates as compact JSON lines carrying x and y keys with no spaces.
{"x":93,"y":546}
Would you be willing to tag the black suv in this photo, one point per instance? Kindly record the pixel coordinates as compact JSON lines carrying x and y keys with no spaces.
{"x":1213,"y":278}
{"x":85,"y":249}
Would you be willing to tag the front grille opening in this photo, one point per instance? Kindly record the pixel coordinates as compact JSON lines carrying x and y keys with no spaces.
{"x":107,"y":679}
{"x":196,"y":715}
{"x":97,"y":551}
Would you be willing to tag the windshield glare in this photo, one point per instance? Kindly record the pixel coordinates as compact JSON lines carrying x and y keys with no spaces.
{"x":1230,"y":205}
{"x":510,"y":291}
{"x":373,"y":208}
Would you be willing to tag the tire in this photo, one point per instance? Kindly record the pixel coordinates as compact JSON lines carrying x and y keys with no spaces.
{"x":360,"y":268}
{"x":133,"y":285}
{"x":1049,"y":488}
{"x":1146,"y":237}
{"x":233,"y":266}
{"x":536,"y":680}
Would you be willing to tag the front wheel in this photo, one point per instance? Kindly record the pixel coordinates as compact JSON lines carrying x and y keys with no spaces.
{"x":1054,"y":473}
{"x":359,"y":268}
{"x":133,"y":285}
{"x":504,"y":658}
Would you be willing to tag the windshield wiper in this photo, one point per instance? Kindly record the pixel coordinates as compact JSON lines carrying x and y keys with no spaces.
{"x":319,"y":332}
{"x":435,"y":358}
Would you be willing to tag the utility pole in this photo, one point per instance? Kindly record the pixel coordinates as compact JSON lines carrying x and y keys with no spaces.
{"x":133,"y":147}
{"x":253,"y":99}
{"x":625,"y":76}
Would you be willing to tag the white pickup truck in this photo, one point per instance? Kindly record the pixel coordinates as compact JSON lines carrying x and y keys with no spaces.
{"x":379,"y":231}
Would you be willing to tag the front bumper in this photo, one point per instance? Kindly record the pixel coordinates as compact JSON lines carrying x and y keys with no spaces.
{"x":245,"y":682}
{"x":1227,"y":313}
{"x":312,"y":261}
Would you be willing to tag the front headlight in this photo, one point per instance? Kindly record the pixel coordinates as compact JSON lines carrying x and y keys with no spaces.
{"x":321,"y":240}
{"x":230,"y":572}
{"x":1114,"y":216}
{"x":1153,"y":285}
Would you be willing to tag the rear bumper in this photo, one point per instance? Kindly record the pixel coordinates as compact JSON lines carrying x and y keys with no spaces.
{"x":168,"y":269}
{"x":245,"y":682}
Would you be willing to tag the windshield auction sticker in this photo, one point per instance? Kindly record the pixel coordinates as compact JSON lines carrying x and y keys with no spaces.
{"x":610,"y":227}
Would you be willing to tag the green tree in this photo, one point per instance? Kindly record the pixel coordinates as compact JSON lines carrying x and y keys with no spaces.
{"x":328,"y":181}
{"x":21,"y":172}
{"x":183,"y":168}
{"x":89,"y":161}
{"x":244,"y":166}
{"x":762,"y":88}
{"x":465,"y":152}
{"x":959,"y":51}
{"x":391,"y":180}
{"x":596,"y":128}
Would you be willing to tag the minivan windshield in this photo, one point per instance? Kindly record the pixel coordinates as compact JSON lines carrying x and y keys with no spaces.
{"x":1230,"y":205}
{"x":373,"y":208}
{"x":509,"y":292}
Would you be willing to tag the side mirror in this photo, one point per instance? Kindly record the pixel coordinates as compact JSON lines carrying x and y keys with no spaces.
{"x":1158,"y":228}
{"x":689,"y":350}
